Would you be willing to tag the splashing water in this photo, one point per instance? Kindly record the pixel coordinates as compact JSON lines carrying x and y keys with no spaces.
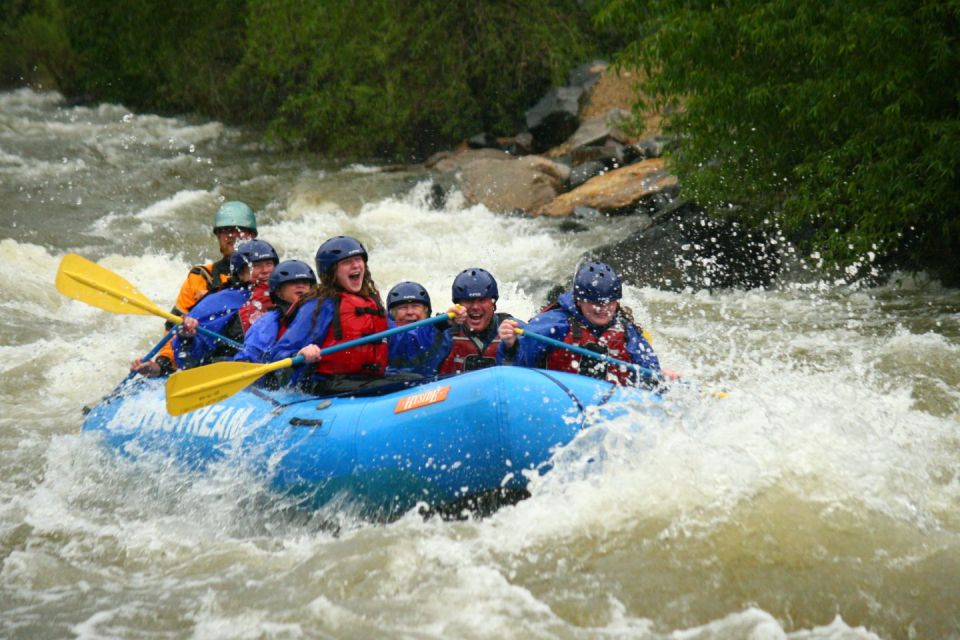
{"x":818,"y":499}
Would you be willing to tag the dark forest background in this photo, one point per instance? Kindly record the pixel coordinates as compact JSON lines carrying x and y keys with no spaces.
{"x":840,"y":122}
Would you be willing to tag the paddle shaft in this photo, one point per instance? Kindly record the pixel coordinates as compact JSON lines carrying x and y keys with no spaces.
{"x":384,"y":334}
{"x":156,"y":349}
{"x":143,"y":305}
{"x":191,"y":389}
{"x":645,"y":372}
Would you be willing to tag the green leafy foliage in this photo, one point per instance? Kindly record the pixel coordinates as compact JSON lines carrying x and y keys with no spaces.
{"x":34,"y":47}
{"x":168,"y":55}
{"x":387,"y":79}
{"x":839,"y":120}
{"x":391,"y":78}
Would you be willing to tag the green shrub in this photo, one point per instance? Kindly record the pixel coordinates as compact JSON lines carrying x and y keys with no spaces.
{"x":402,"y":78}
{"x":839,"y":119}
{"x":166,"y":55}
{"x":34,"y":45}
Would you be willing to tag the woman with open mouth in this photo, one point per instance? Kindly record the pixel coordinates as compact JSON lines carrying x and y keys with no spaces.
{"x":346,"y":305}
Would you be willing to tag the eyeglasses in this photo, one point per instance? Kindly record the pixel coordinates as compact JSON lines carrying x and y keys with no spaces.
{"x":232,"y":231}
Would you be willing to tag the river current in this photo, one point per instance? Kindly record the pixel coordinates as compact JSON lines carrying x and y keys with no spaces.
{"x":819,"y":499}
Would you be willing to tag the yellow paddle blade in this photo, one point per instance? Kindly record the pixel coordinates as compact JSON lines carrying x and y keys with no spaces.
{"x":86,"y":281}
{"x":194,"y":388}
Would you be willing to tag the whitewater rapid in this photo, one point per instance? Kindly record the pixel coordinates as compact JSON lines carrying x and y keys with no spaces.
{"x":818,"y":499}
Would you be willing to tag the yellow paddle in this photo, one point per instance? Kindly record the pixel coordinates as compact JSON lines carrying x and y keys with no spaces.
{"x":86,"y":281}
{"x":191,"y":389}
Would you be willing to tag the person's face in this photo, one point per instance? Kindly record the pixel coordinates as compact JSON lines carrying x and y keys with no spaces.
{"x":348,"y":273}
{"x":228,"y":237}
{"x":258,"y":272}
{"x":292,"y":291}
{"x":408,"y":312}
{"x":599,"y":314}
{"x":479,"y":313}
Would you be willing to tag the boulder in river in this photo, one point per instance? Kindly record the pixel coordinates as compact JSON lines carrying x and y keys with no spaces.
{"x":615,"y":190}
{"x":517,"y":184}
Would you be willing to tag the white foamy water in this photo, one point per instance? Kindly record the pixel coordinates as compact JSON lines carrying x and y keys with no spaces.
{"x":818,"y":499}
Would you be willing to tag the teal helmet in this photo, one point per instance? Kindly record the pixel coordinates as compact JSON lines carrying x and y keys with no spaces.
{"x":235,"y":214}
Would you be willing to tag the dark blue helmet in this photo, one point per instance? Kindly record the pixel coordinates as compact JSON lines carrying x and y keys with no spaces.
{"x":250,"y":251}
{"x":474,"y":283}
{"x":291,"y":271}
{"x":406,"y":292}
{"x":336,"y":249}
{"x":597,"y":282}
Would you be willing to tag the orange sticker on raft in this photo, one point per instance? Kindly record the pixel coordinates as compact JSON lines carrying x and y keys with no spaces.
{"x":422,"y":399}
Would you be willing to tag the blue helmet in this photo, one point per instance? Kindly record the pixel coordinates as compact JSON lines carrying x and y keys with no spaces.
{"x":336,"y":249}
{"x":250,"y":251}
{"x":291,"y":271}
{"x":474,"y":283}
{"x":406,"y":292}
{"x":597,"y":282}
{"x":235,"y":214}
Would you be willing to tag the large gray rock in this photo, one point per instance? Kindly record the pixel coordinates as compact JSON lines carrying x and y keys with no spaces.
{"x":596,"y":131}
{"x":453,"y":161}
{"x":517,"y":184}
{"x":555,"y":117}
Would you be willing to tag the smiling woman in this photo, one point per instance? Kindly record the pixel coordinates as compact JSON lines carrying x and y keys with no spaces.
{"x":345,"y":306}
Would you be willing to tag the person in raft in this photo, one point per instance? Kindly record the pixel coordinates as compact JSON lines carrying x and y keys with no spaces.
{"x":289,"y":282}
{"x":467,"y":342}
{"x":590,"y":316}
{"x":345,"y":306}
{"x":408,"y":302}
{"x":233,"y":222}
{"x":231,"y":311}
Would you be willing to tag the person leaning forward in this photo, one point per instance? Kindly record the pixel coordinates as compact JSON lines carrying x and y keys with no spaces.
{"x":234,"y":221}
{"x":345,"y":306}
{"x":231,"y":310}
{"x":589,"y":317}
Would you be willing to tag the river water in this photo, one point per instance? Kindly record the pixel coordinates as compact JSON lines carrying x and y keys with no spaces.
{"x":819,"y":499}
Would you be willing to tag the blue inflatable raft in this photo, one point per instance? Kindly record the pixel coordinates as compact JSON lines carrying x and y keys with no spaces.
{"x":443,"y":442}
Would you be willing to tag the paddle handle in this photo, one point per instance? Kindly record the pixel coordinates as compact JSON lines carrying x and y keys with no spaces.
{"x":156,"y":349}
{"x":645,"y":372}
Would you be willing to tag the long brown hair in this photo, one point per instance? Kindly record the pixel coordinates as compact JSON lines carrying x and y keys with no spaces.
{"x":328,"y":288}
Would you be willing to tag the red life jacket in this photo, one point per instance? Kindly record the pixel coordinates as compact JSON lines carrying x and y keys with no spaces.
{"x":613,"y":342}
{"x":355,"y":316}
{"x":468,"y":351}
{"x":256,"y":305}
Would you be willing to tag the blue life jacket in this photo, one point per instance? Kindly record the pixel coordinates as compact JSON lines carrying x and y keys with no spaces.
{"x":214,"y":312}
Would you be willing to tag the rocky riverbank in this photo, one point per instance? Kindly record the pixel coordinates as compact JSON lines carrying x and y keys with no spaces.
{"x":580,"y":158}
